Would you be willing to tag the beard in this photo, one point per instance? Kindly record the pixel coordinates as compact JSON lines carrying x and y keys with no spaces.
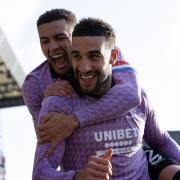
{"x":102,"y":84}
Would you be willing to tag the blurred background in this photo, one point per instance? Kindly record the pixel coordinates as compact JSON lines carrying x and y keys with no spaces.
{"x":148,"y":33}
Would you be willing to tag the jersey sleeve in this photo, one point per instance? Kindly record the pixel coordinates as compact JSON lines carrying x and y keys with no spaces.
{"x":120,"y":99}
{"x":158,"y":138}
{"x":33,"y":96}
{"x":45,"y":168}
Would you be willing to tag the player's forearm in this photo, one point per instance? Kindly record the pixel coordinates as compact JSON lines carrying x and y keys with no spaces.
{"x":45,"y":167}
{"x":161,"y":140}
{"x":52,"y":174}
{"x":171,"y":148}
{"x":32,"y":98}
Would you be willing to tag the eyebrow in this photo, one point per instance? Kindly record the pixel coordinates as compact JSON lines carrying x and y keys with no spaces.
{"x":43,"y":37}
{"x":74,"y":52}
{"x":94,"y":51}
{"x":90,"y":52}
{"x":56,"y":35}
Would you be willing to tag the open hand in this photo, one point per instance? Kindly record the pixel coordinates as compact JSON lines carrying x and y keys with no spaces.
{"x":56,"y":127}
{"x":60,"y":88}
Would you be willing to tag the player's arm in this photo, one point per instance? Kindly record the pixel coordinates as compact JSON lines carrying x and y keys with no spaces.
{"x":33,"y":96}
{"x":122,"y":97}
{"x":45,"y":167}
{"x":158,"y":138}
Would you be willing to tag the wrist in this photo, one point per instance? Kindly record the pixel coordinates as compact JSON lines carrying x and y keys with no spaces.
{"x":75,"y":121}
{"x":76,"y":175}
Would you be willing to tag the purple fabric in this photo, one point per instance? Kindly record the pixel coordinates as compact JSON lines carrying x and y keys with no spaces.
{"x":123,"y":97}
{"x":124,"y":134}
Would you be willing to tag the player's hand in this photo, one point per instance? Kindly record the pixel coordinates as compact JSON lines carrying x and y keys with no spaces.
{"x":56,"y":127}
{"x":97,"y":168}
{"x":60,"y":88}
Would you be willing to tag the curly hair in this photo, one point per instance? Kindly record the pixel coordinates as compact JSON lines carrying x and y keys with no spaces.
{"x":95,"y":27}
{"x":57,"y":14}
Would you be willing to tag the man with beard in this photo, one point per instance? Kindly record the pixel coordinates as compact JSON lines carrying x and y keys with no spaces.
{"x":51,"y":78}
{"x":93,"y":54}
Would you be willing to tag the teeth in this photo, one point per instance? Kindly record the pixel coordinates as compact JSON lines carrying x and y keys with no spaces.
{"x":87,"y":77}
{"x":57,"y":56}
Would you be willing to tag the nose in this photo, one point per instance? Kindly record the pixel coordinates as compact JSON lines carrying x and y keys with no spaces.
{"x":53,"y":45}
{"x":85,"y":65}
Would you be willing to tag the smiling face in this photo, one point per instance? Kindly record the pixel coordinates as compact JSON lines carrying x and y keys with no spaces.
{"x":91,"y":60}
{"x":55,"y":40}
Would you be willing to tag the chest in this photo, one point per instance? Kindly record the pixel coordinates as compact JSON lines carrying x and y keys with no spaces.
{"x":121,"y":132}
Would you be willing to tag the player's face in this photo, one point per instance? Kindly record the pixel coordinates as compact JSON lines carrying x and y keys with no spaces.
{"x":91,"y":60}
{"x":55,"y":40}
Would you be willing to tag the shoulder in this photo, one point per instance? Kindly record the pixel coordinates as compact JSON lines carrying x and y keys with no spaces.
{"x":122,"y":66}
{"x":37,"y":73}
{"x":145,"y":105}
{"x":40,"y":75}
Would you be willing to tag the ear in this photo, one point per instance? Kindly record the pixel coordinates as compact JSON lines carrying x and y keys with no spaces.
{"x":114,"y":56}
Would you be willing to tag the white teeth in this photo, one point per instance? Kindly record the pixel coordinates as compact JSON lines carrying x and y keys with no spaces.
{"x":57,"y":56}
{"x":87,"y":77}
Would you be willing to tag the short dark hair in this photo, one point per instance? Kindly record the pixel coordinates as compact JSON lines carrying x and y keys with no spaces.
{"x":95,"y":27}
{"x":57,"y":14}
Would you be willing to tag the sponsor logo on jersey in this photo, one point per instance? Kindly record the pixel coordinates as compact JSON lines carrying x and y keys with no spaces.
{"x":120,"y":140}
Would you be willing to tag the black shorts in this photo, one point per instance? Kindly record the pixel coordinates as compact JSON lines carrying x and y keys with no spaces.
{"x":157,"y":162}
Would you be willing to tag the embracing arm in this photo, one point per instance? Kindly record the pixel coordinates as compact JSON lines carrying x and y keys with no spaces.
{"x":157,"y":138}
{"x":33,"y":96}
{"x":121,"y":98}
{"x":45,"y":167}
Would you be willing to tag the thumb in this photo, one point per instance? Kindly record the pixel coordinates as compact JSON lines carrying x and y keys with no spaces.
{"x":108,"y":154}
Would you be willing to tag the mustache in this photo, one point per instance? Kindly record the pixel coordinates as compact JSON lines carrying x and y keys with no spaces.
{"x":87,"y":73}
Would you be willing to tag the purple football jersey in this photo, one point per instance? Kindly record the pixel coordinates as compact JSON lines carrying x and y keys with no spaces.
{"x":123,"y":133}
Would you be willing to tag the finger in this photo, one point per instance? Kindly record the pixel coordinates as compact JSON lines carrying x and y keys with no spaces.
{"x":44,"y":140}
{"x":95,"y":172}
{"x":105,"y":169}
{"x":61,"y":92}
{"x":108,"y":154}
{"x":42,"y":134}
{"x":58,"y":88}
{"x":52,"y":148}
{"x":52,"y":93}
{"x":47,"y":117}
{"x":48,"y":92}
{"x":65,"y":93}
{"x":65,"y":85}
{"x":43,"y":127}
